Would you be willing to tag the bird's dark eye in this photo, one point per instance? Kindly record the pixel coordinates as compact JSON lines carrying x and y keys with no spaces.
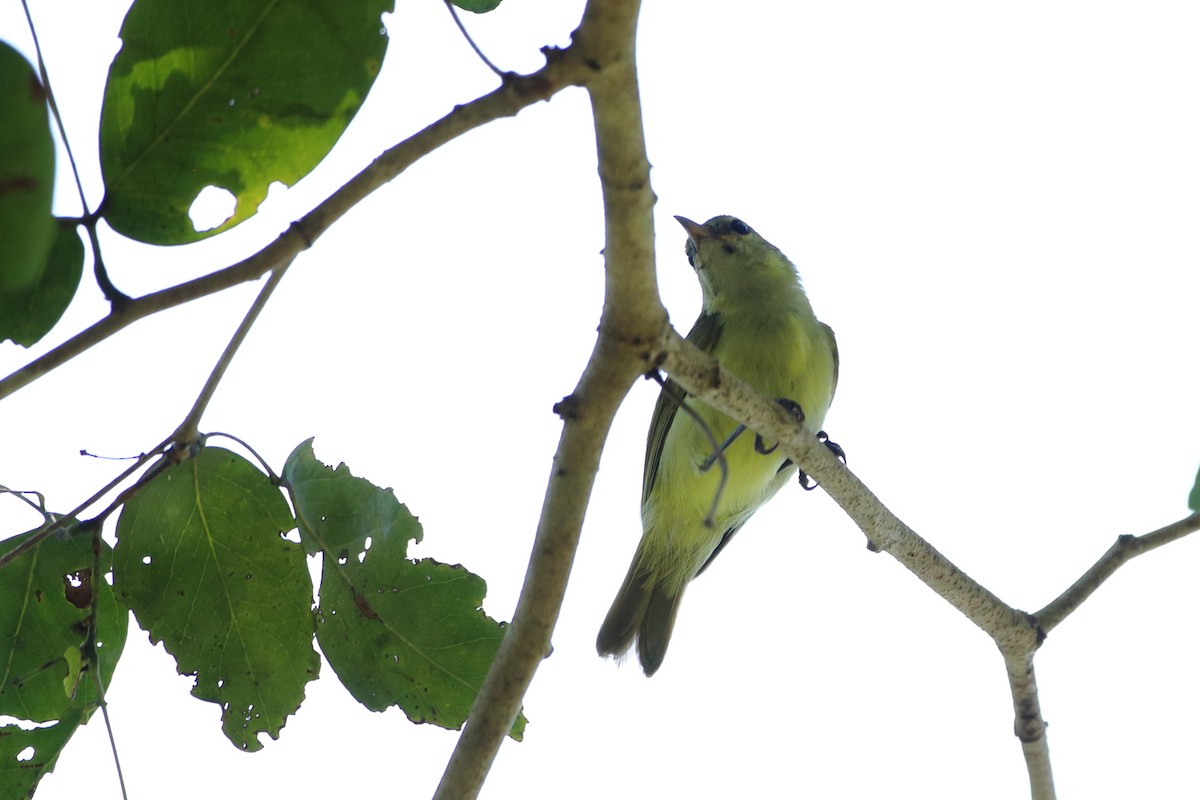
{"x":738,"y":227}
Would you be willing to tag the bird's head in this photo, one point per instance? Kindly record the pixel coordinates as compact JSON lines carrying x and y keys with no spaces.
{"x":734,"y":262}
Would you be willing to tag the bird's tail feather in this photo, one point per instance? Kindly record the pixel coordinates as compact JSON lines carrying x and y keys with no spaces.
{"x":643,"y":610}
{"x":654,"y":634}
{"x":621,"y":625}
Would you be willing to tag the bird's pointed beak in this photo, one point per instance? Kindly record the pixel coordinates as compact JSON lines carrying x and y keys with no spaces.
{"x":695,"y":230}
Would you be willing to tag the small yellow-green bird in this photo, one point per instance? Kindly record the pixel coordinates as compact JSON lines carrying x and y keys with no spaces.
{"x":757,"y":322}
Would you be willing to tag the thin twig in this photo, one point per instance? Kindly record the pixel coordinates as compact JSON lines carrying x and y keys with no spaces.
{"x":62,"y":130}
{"x":1125,"y":548}
{"x":172,"y":455}
{"x":20,"y":494}
{"x":93,"y":652}
{"x":112,"y":743}
{"x":60,"y":522}
{"x":262,"y":462}
{"x":188,"y":430}
{"x":111,"y":293}
{"x":463,"y":29}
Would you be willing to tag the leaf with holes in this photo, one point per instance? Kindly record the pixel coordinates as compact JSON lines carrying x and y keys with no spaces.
{"x":201,"y":561}
{"x":348,"y":510}
{"x":236,"y":94}
{"x":47,"y":597}
{"x":399,"y":632}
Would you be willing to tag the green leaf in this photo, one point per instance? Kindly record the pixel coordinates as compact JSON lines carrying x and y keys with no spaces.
{"x":201,"y":561}
{"x":46,"y":600}
{"x":477,"y":6}
{"x":29,"y":753}
{"x":350,"y":508}
{"x":1194,"y":495}
{"x":26,"y":315}
{"x":396,"y":631}
{"x":235,"y":94}
{"x":26,"y":174}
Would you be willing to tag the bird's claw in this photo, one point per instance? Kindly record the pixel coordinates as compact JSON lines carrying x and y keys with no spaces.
{"x":834,"y":447}
{"x":793,"y":408}
{"x":760,"y":446}
{"x":807,"y":483}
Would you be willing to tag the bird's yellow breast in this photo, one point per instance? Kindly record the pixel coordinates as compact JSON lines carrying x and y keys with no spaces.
{"x":783,"y":355}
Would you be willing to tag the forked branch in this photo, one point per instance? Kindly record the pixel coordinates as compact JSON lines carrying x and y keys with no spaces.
{"x":630,"y":330}
{"x":1017,"y":634}
{"x":1125,"y":548}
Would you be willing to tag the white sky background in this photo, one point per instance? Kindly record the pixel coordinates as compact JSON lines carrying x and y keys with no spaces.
{"x":995,"y":207}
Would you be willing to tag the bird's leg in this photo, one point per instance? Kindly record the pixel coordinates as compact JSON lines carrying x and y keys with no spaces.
{"x":706,"y":465}
{"x":760,"y":446}
{"x":808,"y":483}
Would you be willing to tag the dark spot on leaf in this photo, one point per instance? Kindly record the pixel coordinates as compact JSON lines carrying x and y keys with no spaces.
{"x":78,"y":588}
{"x":364,"y":607}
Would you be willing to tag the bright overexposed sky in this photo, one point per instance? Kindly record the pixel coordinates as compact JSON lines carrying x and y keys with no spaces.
{"x":997,"y":208}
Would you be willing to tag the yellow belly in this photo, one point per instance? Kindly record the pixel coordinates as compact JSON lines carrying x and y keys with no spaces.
{"x":783,"y":359}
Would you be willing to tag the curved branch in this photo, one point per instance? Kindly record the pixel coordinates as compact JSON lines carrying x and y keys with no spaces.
{"x":517,"y":91}
{"x":631,"y":326}
{"x":697,"y":372}
{"x":1125,"y":548}
{"x":188,"y":430}
{"x":1015,"y":632}
{"x":280,"y":251}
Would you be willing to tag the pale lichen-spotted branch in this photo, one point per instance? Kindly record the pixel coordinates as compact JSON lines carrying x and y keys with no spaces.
{"x":1122,"y":550}
{"x":704,"y":378}
{"x":1017,"y":634}
{"x":631,"y":330}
